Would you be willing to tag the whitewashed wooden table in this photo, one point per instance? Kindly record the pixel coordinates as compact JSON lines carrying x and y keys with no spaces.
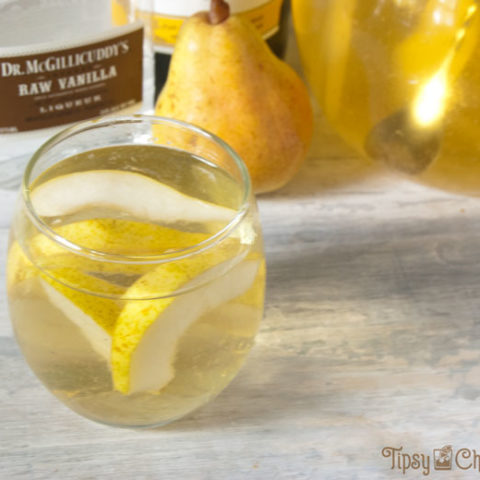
{"x":371,"y":339}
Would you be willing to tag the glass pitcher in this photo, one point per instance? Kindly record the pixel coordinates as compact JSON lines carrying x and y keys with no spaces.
{"x":400,"y":81}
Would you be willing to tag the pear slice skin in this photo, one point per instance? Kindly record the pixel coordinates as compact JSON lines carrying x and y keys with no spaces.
{"x":94,"y":316}
{"x":118,"y":235}
{"x":239,"y":317}
{"x":147,"y":332}
{"x":130,"y":192}
{"x":95,"y":327}
{"x":123,"y":237}
{"x":19,"y":267}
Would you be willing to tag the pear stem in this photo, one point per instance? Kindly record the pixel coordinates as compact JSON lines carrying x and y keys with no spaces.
{"x":219,"y":11}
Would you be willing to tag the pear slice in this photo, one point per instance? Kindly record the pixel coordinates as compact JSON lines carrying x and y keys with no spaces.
{"x":94,"y":317}
{"x":118,"y":236}
{"x":129,"y":192}
{"x":19,"y":267}
{"x":147,"y":332}
{"x":242,"y":317}
{"x":236,"y":319}
{"x":115,"y":236}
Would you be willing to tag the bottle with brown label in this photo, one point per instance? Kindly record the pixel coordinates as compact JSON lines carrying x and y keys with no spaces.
{"x":167,"y":16}
{"x":63,"y":61}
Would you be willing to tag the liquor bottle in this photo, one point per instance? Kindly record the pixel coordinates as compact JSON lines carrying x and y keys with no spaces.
{"x":63,"y":61}
{"x":167,"y":16}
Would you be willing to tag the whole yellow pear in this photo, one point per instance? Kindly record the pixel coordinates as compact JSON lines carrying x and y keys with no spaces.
{"x":224,"y":78}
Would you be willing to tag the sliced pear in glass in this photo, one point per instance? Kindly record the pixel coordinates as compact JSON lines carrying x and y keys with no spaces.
{"x":19,"y":267}
{"x":254,"y":296}
{"x":147,"y":332}
{"x":94,"y":316}
{"x":69,"y":280}
{"x":241,"y":318}
{"x":119,"y":237}
{"x":112,"y":236}
{"x":235,"y":320}
{"x":128,"y":192}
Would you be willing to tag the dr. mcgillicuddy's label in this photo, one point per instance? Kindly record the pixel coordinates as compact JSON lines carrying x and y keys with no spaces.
{"x":49,"y":87}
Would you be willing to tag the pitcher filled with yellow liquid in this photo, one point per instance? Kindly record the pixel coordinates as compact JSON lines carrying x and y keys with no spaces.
{"x":400,"y":81}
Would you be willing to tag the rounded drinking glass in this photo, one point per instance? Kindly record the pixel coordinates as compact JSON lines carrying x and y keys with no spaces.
{"x":135,"y":270}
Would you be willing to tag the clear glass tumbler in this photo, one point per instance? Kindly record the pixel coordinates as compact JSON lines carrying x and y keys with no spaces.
{"x":135,"y":268}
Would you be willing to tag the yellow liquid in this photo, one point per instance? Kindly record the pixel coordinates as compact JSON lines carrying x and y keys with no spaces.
{"x":399,"y":80}
{"x":208,"y":353}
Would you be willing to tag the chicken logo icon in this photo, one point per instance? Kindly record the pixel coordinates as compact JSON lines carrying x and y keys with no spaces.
{"x":442,"y":458}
